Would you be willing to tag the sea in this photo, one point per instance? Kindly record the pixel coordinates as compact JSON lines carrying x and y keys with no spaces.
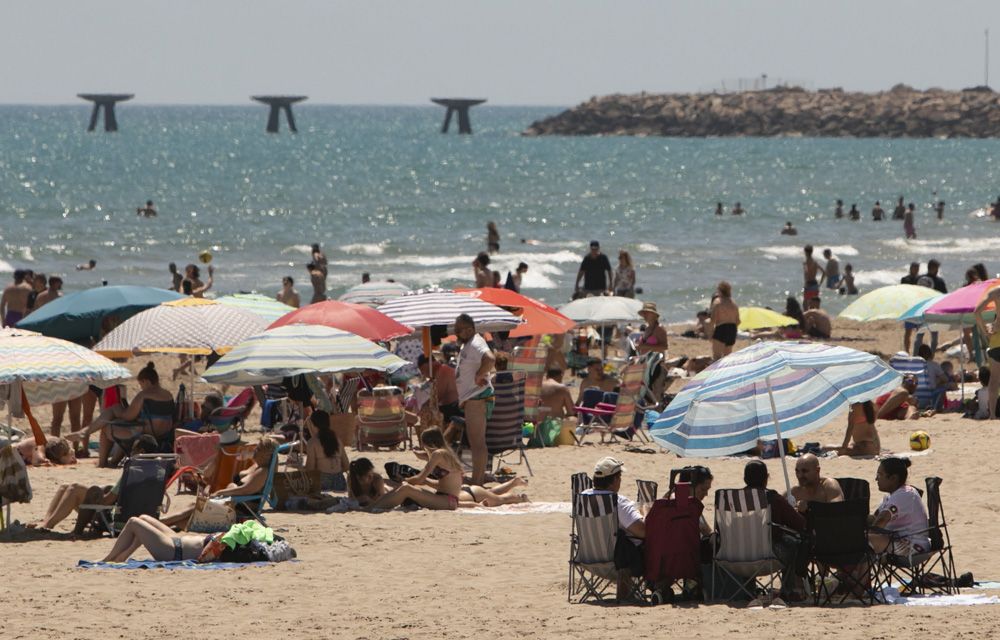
{"x":384,"y":191}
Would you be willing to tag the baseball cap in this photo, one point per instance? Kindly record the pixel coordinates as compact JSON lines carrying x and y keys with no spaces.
{"x":595,"y":243}
{"x":607,"y":467}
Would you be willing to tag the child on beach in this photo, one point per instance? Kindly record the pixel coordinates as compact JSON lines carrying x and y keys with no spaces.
{"x":846,"y":284}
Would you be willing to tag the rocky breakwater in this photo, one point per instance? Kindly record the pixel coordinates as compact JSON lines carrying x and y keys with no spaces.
{"x":901,"y":112}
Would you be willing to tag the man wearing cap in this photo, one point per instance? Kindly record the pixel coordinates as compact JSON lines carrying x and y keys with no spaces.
{"x":475,"y":392}
{"x":608,"y":479}
{"x":595,"y":271}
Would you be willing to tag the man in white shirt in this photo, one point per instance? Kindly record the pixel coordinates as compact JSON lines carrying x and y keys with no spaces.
{"x":475,"y":393}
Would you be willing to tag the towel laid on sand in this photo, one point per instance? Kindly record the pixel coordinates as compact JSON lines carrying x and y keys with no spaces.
{"x":172,"y":564}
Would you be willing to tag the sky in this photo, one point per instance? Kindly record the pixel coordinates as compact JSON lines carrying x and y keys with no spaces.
{"x":515,"y":52}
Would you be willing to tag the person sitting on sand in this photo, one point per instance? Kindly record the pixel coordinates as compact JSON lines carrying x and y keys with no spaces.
{"x":364,"y":484}
{"x":861,"y":438}
{"x":901,"y":513}
{"x":789,"y":230}
{"x":55,"y":451}
{"x":607,"y":479}
{"x":556,"y":397}
{"x":154,"y":406}
{"x":812,"y":486}
{"x":69,"y":497}
{"x":595,"y":378}
{"x":441,"y":478}
{"x":899,"y":403}
{"x":162,"y":543}
{"x":816,"y":322}
{"x":325,"y":454}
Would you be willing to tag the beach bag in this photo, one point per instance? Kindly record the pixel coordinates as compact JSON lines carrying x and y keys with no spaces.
{"x":546,"y":433}
{"x":211,"y":516}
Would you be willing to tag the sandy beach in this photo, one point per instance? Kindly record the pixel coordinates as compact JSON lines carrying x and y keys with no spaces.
{"x":431,"y":574}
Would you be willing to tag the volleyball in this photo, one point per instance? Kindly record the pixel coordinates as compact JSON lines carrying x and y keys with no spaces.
{"x":920,"y":440}
{"x":205,"y":256}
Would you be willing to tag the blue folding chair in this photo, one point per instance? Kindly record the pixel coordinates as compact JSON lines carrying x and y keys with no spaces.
{"x":255,"y":503}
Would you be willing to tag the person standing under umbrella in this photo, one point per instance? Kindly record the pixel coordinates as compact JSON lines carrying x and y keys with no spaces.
{"x":475,"y":392}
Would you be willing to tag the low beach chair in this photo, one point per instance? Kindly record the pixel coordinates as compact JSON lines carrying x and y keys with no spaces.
{"x":255,"y":503}
{"x":382,"y":419}
{"x":856,"y":489}
{"x":744,"y":555}
{"x":531,"y":360}
{"x":194,"y":453}
{"x":235,"y":412}
{"x":230,"y":460}
{"x":142,"y":491}
{"x":839,"y":535}
{"x":504,"y":429}
{"x":616,"y":414}
{"x":646,"y":491}
{"x":673,"y":540}
{"x":592,"y":571}
{"x":930,"y":572}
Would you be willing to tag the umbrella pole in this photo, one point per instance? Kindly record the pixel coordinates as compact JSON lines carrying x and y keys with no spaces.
{"x":781,"y":444}
{"x":961,"y":359}
{"x":190,"y":398}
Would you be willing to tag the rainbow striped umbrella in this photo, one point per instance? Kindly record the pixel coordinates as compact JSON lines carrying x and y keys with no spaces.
{"x":296,"y":349}
{"x":193,"y":326}
{"x":768,"y":391}
{"x":267,"y":308}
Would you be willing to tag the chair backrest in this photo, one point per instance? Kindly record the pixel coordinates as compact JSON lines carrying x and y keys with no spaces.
{"x":578,"y":483}
{"x":838,"y":531}
{"x":238,"y":408}
{"x":504,"y":429}
{"x":347,"y":393}
{"x":624,"y":417}
{"x":673,"y":537}
{"x":381,"y":416}
{"x":231,"y":459}
{"x":144,"y":482}
{"x":595,"y":517}
{"x":855,"y":489}
{"x":937,"y":527}
{"x":646,"y":491}
{"x":530,"y":360}
{"x":197,"y":450}
{"x":267,"y":494}
{"x":908,"y":365}
{"x":591,"y":396}
{"x":632,"y":376}
{"x":743,"y":523}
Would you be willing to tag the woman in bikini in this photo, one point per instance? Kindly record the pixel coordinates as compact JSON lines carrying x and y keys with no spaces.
{"x":153,"y":406}
{"x":861,"y":438}
{"x":654,"y":338}
{"x":438,"y":486}
{"x":159,"y":540}
{"x":325,"y":454}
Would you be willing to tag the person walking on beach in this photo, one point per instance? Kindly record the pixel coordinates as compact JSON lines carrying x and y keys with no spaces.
{"x":838,"y":212}
{"x":492,"y":238}
{"x":595,"y":271}
{"x":878,"y":213}
{"x":624,"y":285}
{"x":900,"y":211}
{"x":14,"y":301}
{"x":725,"y":316}
{"x":832,"y":269}
{"x":909,"y":327}
{"x":48,"y":295}
{"x":932,"y":280}
{"x":475,"y":361}
{"x":149,"y":211}
{"x":288,"y":295}
{"x":811,"y":272}
{"x":317,"y":277}
{"x":908,"y":228}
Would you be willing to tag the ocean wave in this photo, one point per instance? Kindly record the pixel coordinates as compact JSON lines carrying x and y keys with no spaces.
{"x":795,"y":251}
{"x":970,"y":246}
{"x":364,"y":248}
{"x":645,"y":247}
{"x":298,"y":248}
{"x":6,"y":267}
{"x":878,"y":277}
{"x":505,"y":261}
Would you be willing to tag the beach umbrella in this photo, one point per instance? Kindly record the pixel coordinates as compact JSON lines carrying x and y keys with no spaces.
{"x":265,"y":307}
{"x":768,"y":391}
{"x":539,"y":318}
{"x":437,"y":307}
{"x":958,"y":307}
{"x":887,"y":303}
{"x":78,"y":316}
{"x":602,"y":310}
{"x":192,"y":326}
{"x":297,"y":349}
{"x":761,"y":318}
{"x":915,"y":313}
{"x":374,"y":294}
{"x":358,"y":319}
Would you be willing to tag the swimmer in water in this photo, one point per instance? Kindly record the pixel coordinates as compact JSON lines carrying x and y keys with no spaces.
{"x":789,"y":230}
{"x":149,"y":211}
{"x":87,"y":266}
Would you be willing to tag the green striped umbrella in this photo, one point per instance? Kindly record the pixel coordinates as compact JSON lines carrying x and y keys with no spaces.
{"x":296,"y":349}
{"x":267,"y":308}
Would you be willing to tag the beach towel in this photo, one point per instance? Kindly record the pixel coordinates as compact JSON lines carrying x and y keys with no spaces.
{"x":520,"y":508}
{"x":171,"y":564}
{"x":892,"y":597}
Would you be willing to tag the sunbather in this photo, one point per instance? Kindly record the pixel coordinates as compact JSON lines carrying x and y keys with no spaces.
{"x":898,"y":404}
{"x":442,"y":475}
{"x":159,"y":540}
{"x":861,"y":438}
{"x":325,"y":454}
{"x":55,"y":451}
{"x":364,"y":484}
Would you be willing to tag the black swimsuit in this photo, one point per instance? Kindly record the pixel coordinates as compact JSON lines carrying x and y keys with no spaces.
{"x":725,"y":333}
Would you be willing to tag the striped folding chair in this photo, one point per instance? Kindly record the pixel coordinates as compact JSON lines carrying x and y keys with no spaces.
{"x":504,"y":429}
{"x":347,"y":392}
{"x":744,"y":555}
{"x":381,"y":419}
{"x":592,"y":572}
{"x":532,"y":362}
{"x":646,"y":491}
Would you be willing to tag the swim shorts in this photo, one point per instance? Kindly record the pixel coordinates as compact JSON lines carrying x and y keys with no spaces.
{"x":12,"y":318}
{"x":811,"y":290}
{"x":725,"y":333}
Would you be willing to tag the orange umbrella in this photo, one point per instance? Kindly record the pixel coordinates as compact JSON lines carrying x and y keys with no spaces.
{"x":539,"y":318}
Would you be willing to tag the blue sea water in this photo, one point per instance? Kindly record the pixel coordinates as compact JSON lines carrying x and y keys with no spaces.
{"x":385,"y":192}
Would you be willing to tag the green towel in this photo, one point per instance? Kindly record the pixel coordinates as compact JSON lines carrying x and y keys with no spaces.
{"x":242,"y":533}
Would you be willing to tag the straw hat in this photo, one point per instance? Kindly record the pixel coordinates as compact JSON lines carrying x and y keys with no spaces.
{"x":649,"y":307}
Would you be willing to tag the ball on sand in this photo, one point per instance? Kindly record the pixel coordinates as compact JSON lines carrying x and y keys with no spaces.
{"x":920,"y":440}
{"x":205,"y":256}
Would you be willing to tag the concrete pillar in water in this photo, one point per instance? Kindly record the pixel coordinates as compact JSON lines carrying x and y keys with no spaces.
{"x":277,"y":103}
{"x":461,"y":106}
{"x":107,"y":102}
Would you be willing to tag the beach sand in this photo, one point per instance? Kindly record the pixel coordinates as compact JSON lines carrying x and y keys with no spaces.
{"x":441,"y":574}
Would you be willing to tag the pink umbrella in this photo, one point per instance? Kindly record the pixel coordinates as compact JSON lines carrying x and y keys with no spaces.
{"x":356,"y":318}
{"x":961,"y":301}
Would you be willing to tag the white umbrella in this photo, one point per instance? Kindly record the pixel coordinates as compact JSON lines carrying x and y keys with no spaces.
{"x":602,"y":310}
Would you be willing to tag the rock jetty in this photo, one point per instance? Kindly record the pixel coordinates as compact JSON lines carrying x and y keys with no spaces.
{"x":901,"y":112}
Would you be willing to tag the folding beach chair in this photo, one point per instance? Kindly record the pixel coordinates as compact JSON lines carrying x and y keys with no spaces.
{"x":504,"y":429}
{"x":234,"y":413}
{"x":744,"y":555}
{"x":925,"y":394}
{"x":646,"y":491}
{"x":194,"y":453}
{"x":650,"y":393}
{"x":231,"y":459}
{"x":347,"y":393}
{"x":255,"y":503}
{"x":673,"y":539}
{"x":856,"y":489}
{"x":382,"y":419}
{"x":530,"y":360}
{"x":142,"y":491}
{"x":839,"y":536}
{"x":616,"y":414}
{"x":578,"y":483}
{"x":932,"y":571}
{"x":592,"y":571}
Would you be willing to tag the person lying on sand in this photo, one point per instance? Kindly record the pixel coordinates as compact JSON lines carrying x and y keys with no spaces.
{"x":158,"y":539}
{"x":861,"y":438}
{"x":441,"y":478}
{"x":55,"y":451}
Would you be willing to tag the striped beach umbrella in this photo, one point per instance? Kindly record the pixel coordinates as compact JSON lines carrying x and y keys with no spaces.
{"x":191,"y":326}
{"x":267,"y":308}
{"x":299,"y":349}
{"x":768,"y":391}
{"x":437,"y":307}
{"x":887,"y":303}
{"x":373,"y":294}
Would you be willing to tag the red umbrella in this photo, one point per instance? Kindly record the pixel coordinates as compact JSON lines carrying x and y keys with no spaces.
{"x":357,"y":318}
{"x":539,"y":317}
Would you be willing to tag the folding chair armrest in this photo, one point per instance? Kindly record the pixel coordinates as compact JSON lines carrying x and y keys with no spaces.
{"x":97,"y":507}
{"x":784,"y":529}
